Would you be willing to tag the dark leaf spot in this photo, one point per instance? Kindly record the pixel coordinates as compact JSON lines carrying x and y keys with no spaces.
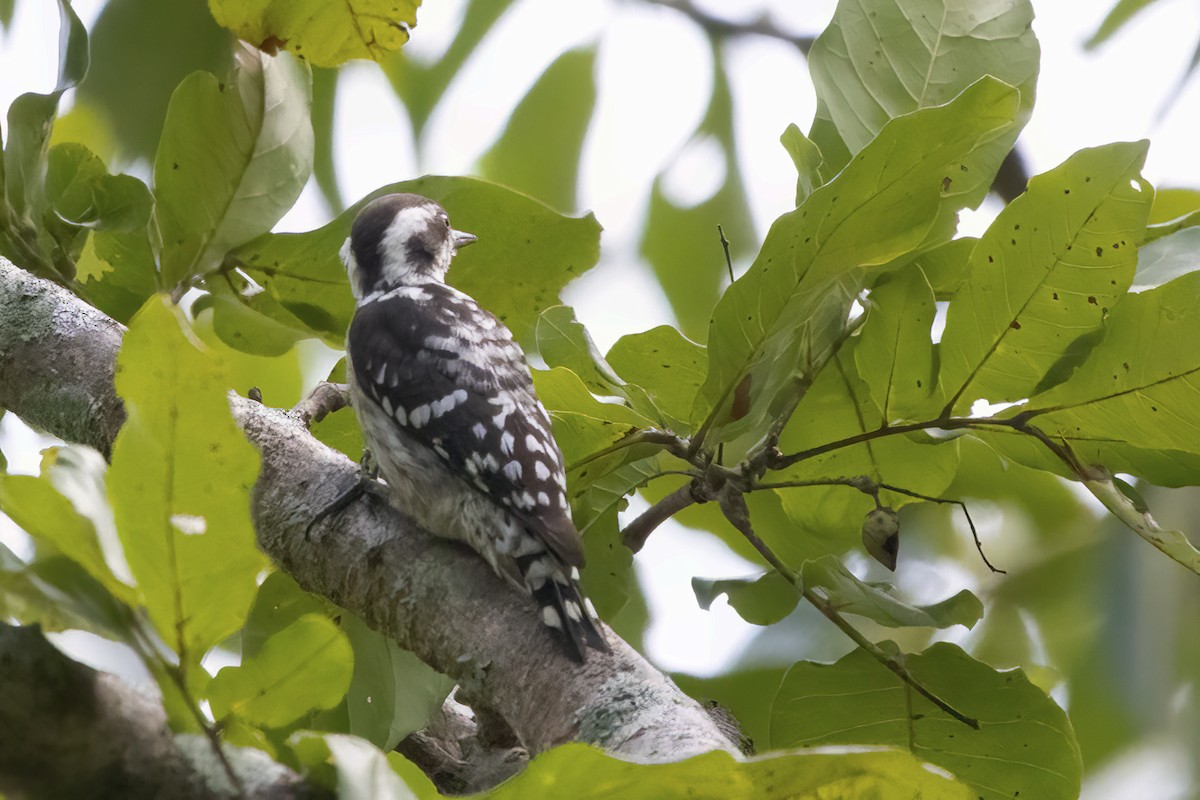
{"x":1015,"y":325}
{"x":741,"y":399}
{"x":1092,"y":299}
{"x":1099,"y":251}
{"x":1055,"y":295}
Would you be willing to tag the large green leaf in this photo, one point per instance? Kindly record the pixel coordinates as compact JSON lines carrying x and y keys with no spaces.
{"x":526,"y":254}
{"x":538,"y":152}
{"x":80,"y":191}
{"x":118,"y":272}
{"x":878,"y":61}
{"x":327,"y":34}
{"x":233,"y":158}
{"x":57,"y":594}
{"x":306,"y":665}
{"x":829,"y":577}
{"x":895,"y":348}
{"x":583,"y":773}
{"x":1024,"y":748}
{"x":180,"y":486}
{"x":778,"y":323}
{"x":1048,"y":271}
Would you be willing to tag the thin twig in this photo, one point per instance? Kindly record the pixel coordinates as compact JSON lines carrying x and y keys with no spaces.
{"x":966,"y":513}
{"x":728,"y":259}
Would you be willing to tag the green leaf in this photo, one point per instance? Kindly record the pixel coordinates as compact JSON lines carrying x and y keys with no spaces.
{"x":180,"y":486}
{"x":946,"y":266}
{"x":238,"y":322}
{"x":682,"y":243}
{"x":877,"y":62}
{"x":1117,"y":17}
{"x":779,"y":322}
{"x":1024,"y":748}
{"x":807,"y":158}
{"x":668,"y":368}
{"x":562,"y":341}
{"x":583,"y":425}
{"x":118,"y":272}
{"x":895,"y":348}
{"x":327,"y":34}
{"x":31,"y":116}
{"x":232,"y":160}
{"x":837,"y":408}
{"x":760,"y":599}
{"x":324,"y":98}
{"x":538,"y":152}
{"x":1137,"y":386}
{"x":746,"y":693}
{"x":279,"y":603}
{"x":306,"y":665}
{"x":392,"y":692}
{"x":50,"y":518}
{"x":526,"y":254}
{"x":583,"y":773}
{"x":1044,"y":276}
{"x":80,"y":191}
{"x":829,"y":577}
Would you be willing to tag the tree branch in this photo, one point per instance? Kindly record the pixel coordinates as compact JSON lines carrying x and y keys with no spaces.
{"x":69,"y":731}
{"x":432,"y":596}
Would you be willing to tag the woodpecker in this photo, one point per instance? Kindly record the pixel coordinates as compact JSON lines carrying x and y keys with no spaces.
{"x":445,"y":400}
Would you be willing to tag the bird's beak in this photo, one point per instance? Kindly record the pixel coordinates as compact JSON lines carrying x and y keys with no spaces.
{"x":462,"y":239}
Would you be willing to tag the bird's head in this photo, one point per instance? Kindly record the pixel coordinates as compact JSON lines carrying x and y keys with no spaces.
{"x":400,"y":240}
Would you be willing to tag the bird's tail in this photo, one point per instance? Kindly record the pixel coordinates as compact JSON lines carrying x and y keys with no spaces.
{"x":562,"y":603}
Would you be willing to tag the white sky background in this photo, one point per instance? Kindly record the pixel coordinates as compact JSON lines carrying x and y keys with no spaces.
{"x":653,"y":72}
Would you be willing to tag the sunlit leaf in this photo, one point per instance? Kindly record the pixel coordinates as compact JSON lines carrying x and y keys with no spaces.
{"x":327,"y":34}
{"x":180,"y":486}
{"x":562,"y":341}
{"x":583,"y":773}
{"x":233,"y":158}
{"x":807,"y":158}
{"x":1048,"y":271}
{"x":1025,"y":746}
{"x":307,"y":665}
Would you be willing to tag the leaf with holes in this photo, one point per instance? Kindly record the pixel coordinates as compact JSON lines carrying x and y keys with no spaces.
{"x":180,"y":486}
{"x":1045,"y":276}
{"x":327,"y":34}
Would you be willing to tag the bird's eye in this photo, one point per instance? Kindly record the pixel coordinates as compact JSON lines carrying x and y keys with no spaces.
{"x":446,"y":221}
